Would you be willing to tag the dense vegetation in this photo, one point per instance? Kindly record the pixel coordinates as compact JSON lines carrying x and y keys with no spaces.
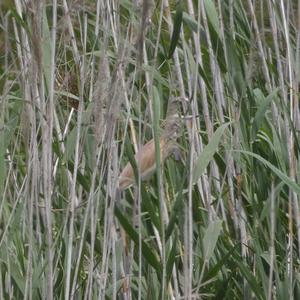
{"x":84,"y":84}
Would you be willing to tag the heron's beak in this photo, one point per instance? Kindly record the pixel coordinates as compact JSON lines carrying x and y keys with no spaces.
{"x":189,"y":117}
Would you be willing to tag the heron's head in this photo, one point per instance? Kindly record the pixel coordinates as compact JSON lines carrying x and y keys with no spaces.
{"x":173,"y":121}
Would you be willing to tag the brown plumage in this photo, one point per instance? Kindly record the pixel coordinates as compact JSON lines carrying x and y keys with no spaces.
{"x":145,"y":157}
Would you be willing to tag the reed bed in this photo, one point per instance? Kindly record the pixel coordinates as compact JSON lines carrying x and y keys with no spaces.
{"x":84,"y":84}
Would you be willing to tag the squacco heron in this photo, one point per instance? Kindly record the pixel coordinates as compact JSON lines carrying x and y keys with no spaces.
{"x":145,"y":157}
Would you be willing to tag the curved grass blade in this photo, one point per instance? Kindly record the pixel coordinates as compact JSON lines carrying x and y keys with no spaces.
{"x":171,"y":260}
{"x":217,"y":267}
{"x":212,"y":15}
{"x":148,"y":254}
{"x":264,"y":104}
{"x":176,"y":28}
{"x":208,"y":152}
{"x":251,"y":279}
{"x":286,"y":179}
{"x":211,"y":237}
{"x":190,"y":22}
{"x":177,"y":207}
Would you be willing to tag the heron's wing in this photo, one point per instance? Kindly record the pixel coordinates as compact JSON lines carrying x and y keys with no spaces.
{"x":145,"y":158}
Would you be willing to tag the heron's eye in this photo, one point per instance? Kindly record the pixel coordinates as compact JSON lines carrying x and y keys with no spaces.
{"x":174,"y":128}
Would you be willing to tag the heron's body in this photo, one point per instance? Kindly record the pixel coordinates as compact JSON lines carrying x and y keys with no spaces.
{"x":145,"y":157}
{"x":146,"y":162}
